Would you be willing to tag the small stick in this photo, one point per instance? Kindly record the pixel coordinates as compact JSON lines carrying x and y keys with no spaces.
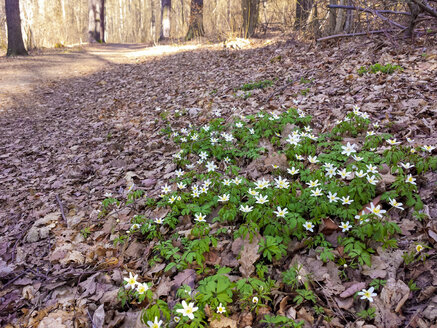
{"x":369,"y":10}
{"x":278,"y":91}
{"x":318,"y":322}
{"x":61,"y":207}
{"x":420,"y":309}
{"x":14,"y":279}
{"x":352,"y":34}
{"x":389,"y":21}
{"x":91,"y":319}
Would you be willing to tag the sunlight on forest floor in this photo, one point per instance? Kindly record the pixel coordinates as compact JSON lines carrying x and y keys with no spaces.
{"x":46,"y":67}
{"x":116,"y":51}
{"x":22,"y":74}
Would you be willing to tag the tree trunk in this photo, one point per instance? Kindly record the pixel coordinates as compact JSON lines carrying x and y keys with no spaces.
{"x":153,"y":21}
{"x":415,"y":11}
{"x":341,"y":18}
{"x":349,"y":18}
{"x":96,"y":23}
{"x":196,"y":20}
{"x":250,"y":9}
{"x":332,"y":17}
{"x":15,"y":38}
{"x":165,"y":19}
{"x":314,"y":21}
{"x":303,"y":8}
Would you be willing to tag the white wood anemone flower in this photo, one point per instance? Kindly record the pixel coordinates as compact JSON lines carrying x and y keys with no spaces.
{"x":188,"y":310}
{"x":155,"y":324}
{"x":367,"y":294}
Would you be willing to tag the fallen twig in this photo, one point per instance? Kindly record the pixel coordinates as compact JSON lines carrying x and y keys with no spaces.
{"x":18,"y":239}
{"x":340,"y":312}
{"x":369,"y":10}
{"x":91,"y":319}
{"x":391,"y":22}
{"x":420,"y":309}
{"x":14,"y":279}
{"x":352,"y":34}
{"x":62,"y":208}
{"x":278,"y":91}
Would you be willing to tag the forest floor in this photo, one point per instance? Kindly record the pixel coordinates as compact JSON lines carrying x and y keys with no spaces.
{"x":46,"y":67}
{"x":78,"y":125}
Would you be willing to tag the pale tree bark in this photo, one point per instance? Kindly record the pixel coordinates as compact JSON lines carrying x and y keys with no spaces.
{"x":165,"y":19}
{"x":341,"y":18}
{"x":349,"y":18}
{"x":153,"y":21}
{"x":96,"y":23}
{"x":250,"y":9}
{"x":332,"y":17}
{"x":15,"y":38}
{"x":344,"y":18}
{"x":313,"y":20}
{"x":195,"y":28}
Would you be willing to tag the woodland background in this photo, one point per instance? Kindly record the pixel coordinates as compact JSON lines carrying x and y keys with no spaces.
{"x":68,"y":22}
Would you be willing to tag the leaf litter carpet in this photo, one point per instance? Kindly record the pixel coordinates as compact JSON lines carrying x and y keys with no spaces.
{"x":67,"y":144}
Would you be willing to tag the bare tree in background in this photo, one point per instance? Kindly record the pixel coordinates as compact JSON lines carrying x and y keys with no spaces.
{"x":196,"y":20}
{"x":96,"y":27}
{"x":15,"y":38}
{"x":250,"y":9}
{"x":303,"y":9}
{"x":153,"y":21}
{"x":165,"y":19}
{"x":415,"y":11}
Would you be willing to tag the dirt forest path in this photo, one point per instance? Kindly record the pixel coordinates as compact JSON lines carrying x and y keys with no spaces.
{"x":21,"y":75}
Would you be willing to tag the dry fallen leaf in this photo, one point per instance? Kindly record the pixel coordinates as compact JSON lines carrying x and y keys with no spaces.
{"x":328,"y":226}
{"x":248,"y":256}
{"x":223,"y":322}
{"x":186,"y":277}
{"x":99,"y":317}
{"x":245,"y":319}
{"x":163,"y":287}
{"x":282,"y":306}
{"x":353,"y":289}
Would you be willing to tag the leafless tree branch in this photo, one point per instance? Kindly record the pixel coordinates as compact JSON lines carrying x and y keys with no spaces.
{"x":426,"y":7}
{"x":369,"y":10}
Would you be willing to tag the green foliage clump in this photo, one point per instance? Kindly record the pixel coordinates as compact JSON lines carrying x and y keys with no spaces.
{"x":280,"y":321}
{"x":322,"y":178}
{"x":375,"y":68}
{"x":257,"y":85}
